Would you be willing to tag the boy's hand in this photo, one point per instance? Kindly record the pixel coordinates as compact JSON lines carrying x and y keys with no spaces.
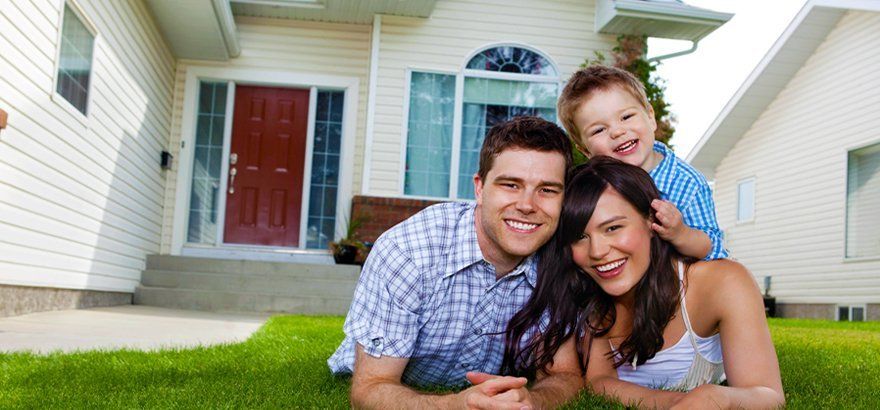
{"x":670,"y":226}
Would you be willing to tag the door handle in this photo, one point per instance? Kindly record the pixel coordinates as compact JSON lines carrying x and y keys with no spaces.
{"x":232,"y":172}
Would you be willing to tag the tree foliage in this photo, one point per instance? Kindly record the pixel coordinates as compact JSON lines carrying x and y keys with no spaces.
{"x":629,"y":54}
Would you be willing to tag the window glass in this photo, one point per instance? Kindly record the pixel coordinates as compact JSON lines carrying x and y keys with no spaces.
{"x":429,"y":134}
{"x":745,"y":210}
{"x":843,"y":313}
{"x":325,"y":169}
{"x":207,"y":163}
{"x":488,"y":102}
{"x":489,"y":97}
{"x":858,"y":314}
{"x":512,"y":60}
{"x":75,"y":61}
{"x":863,"y":202}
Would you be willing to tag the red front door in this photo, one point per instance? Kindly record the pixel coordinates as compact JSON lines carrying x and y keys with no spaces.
{"x":267,"y":154}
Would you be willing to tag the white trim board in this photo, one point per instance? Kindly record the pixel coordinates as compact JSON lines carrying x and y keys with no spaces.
{"x":196,"y":73}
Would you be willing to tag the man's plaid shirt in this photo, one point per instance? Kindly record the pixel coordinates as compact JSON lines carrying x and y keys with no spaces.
{"x":688,"y":190}
{"x":427,"y":294}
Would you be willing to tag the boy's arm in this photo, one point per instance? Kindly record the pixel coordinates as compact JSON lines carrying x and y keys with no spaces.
{"x":700,"y":215}
{"x":693,"y":229}
{"x":669,"y":224}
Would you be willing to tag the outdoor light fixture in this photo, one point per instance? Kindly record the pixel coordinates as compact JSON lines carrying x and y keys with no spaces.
{"x":3,"y":117}
{"x":166,"y":160}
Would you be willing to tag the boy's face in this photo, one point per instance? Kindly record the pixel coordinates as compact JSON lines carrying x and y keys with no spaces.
{"x":612,"y":122}
{"x":518,"y":203}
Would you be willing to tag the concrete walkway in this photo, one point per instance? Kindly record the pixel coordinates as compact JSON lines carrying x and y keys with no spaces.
{"x":128,"y":326}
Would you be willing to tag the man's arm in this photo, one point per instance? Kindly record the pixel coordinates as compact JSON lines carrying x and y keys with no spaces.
{"x":558,"y":384}
{"x":376,"y":385}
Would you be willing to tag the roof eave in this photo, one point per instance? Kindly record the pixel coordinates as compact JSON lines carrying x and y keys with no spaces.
{"x":747,"y":104}
{"x":664,"y":20}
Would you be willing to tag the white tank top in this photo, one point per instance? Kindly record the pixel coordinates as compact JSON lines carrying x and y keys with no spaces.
{"x":691,"y":362}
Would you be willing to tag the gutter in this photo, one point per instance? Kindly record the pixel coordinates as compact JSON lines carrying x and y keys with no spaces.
{"x":226,"y":20}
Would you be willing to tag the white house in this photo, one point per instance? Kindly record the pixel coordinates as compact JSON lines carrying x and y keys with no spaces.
{"x":795,"y":156}
{"x":248,"y":129}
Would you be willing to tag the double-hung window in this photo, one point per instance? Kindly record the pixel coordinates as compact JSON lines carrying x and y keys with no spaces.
{"x":863,"y":202}
{"x":499,"y":83}
{"x":75,"y":59}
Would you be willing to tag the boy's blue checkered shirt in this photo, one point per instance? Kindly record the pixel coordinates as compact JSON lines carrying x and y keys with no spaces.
{"x":427,"y":294}
{"x":688,"y":190}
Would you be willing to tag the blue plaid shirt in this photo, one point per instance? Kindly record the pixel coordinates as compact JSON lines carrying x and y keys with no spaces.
{"x":427,"y":294}
{"x":688,"y":190}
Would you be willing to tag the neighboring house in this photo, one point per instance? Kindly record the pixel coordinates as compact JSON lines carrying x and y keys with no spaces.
{"x":249,"y":129}
{"x":795,"y":156}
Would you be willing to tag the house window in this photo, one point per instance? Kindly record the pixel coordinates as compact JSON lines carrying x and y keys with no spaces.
{"x":862,"y":202}
{"x":75,"y":60}
{"x":429,"y":134}
{"x":325,"y":169}
{"x":207,"y":163}
{"x":499,"y":83}
{"x":851,"y":313}
{"x":745,"y":208}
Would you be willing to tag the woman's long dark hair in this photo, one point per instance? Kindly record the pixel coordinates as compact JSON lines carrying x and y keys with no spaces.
{"x":568,"y":301}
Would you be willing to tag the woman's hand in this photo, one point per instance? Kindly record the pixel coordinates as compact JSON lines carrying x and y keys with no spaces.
{"x":707,"y":396}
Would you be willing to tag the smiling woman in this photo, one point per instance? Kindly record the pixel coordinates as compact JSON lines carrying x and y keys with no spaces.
{"x":651,"y":326}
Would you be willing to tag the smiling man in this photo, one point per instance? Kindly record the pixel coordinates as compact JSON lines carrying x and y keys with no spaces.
{"x":437,"y":291}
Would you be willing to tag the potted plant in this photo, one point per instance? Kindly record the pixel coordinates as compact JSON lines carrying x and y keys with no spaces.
{"x":345,"y":250}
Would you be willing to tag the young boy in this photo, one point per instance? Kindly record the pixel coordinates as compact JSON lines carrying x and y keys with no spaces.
{"x":606,"y":112}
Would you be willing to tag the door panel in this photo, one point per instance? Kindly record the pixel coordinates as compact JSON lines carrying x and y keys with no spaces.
{"x":264,"y":198}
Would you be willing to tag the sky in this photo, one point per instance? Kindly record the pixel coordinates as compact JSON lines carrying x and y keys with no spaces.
{"x":699,"y":85}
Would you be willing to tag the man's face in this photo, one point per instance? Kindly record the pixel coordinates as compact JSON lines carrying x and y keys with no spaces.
{"x":518,"y":204}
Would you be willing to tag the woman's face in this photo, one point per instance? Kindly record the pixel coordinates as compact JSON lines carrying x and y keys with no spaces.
{"x":615,"y":249}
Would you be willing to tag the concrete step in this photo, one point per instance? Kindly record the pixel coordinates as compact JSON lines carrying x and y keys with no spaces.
{"x":250,"y":267}
{"x":225,"y":301}
{"x":293,"y":284}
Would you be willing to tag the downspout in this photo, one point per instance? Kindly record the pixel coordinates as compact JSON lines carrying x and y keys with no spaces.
{"x":223,"y":10}
{"x":677,"y":53}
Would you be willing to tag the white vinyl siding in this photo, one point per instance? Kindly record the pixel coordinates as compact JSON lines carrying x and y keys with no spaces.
{"x":81,"y":197}
{"x":798,"y":150}
{"x":444,"y":42}
{"x":291,"y":46}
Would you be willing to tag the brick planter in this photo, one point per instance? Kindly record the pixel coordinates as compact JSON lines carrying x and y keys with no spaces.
{"x":383,"y":213}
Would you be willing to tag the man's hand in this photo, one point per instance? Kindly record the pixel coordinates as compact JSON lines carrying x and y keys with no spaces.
{"x":497,"y":392}
{"x":668,"y":221}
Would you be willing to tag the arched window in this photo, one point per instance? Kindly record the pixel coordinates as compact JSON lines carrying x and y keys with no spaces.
{"x":500,"y":83}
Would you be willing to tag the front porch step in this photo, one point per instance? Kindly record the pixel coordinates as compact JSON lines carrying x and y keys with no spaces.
{"x":219,"y":301}
{"x":246,"y":286}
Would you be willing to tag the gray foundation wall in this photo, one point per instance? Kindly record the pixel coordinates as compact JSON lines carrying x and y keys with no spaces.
{"x":821,"y":311}
{"x":19,"y":300}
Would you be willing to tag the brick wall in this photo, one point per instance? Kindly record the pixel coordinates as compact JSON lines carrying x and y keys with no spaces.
{"x":383,"y":213}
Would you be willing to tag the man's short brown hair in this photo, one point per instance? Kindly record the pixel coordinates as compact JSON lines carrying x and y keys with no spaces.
{"x":583,"y":83}
{"x":528,"y":133}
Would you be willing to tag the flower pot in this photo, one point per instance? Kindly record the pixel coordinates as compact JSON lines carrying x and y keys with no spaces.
{"x":345,"y":254}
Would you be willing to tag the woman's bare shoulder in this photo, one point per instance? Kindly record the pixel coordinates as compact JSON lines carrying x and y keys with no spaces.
{"x":721,"y":275}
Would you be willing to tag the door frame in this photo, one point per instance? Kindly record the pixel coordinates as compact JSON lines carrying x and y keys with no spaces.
{"x":194,"y":75}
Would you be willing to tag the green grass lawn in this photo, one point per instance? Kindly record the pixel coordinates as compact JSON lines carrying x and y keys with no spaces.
{"x":824,"y":365}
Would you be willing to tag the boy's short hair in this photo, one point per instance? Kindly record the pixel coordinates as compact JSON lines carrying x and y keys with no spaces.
{"x":584,"y":82}
{"x":529,"y":133}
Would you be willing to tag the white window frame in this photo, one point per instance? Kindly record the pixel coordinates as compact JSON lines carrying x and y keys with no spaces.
{"x":457,"y":115}
{"x":850,"y":308}
{"x":739,"y":184}
{"x":90,"y":26}
{"x":845,"y":200}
